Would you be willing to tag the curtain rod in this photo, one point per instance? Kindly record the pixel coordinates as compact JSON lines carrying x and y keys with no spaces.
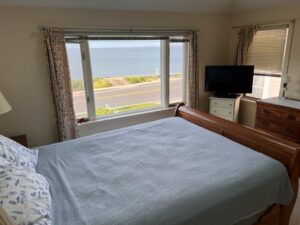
{"x":270,"y":22}
{"x":129,"y":30}
{"x":126,"y":38}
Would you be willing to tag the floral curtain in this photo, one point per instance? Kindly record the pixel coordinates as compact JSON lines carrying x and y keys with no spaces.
{"x":60,"y":83}
{"x":193,"y":73}
{"x":245,"y":38}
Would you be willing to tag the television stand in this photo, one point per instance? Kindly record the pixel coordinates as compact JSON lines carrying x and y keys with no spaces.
{"x":225,"y":95}
{"x":226,"y":108}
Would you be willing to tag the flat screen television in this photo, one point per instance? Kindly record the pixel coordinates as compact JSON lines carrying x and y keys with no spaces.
{"x":227,"y":80}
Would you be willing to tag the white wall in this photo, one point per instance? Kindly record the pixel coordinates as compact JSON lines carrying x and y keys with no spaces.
{"x":23,"y":71}
{"x":248,"y":108}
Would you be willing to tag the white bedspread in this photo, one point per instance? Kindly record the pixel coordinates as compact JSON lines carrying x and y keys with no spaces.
{"x":167,"y":172}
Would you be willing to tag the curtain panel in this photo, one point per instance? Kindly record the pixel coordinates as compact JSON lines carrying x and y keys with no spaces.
{"x":245,"y":39}
{"x":193,"y":72}
{"x":60,"y":83}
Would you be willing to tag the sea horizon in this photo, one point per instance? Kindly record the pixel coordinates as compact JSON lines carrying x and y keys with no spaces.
{"x":124,"y":61}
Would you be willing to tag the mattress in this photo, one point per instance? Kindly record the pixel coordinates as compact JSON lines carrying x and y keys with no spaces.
{"x":166,"y":172}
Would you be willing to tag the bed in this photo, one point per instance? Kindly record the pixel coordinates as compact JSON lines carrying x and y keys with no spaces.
{"x":191,"y":169}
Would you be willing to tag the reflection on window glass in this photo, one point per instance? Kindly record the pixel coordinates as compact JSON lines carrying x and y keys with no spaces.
{"x":75,"y":66}
{"x":176,"y":72}
{"x":126,"y":75}
{"x":265,"y":87}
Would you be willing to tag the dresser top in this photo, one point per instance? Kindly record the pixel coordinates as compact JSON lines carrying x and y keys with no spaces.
{"x":283,"y":102}
{"x":224,"y":99}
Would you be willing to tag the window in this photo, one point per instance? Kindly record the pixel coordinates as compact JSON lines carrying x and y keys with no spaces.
{"x":124,"y":74}
{"x":78,"y":87}
{"x":268,"y":53}
{"x":177,"y":70}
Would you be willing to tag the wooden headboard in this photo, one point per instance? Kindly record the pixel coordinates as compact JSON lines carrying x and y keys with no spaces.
{"x":274,"y":147}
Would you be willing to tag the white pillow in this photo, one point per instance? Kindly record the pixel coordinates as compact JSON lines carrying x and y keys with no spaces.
{"x":17,"y":154}
{"x":4,"y":162}
{"x":25,"y":196}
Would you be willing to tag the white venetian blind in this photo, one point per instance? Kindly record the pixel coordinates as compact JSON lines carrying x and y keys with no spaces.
{"x":267,"y":50}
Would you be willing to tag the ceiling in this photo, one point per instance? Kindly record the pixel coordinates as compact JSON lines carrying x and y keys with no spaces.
{"x":205,"y":6}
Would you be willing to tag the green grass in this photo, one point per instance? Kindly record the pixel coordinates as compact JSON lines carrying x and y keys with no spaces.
{"x":101,"y":83}
{"x":109,"y":111}
{"x":137,"y":107}
{"x":104,"y":111}
{"x":141,"y":79}
{"x":77,"y":85}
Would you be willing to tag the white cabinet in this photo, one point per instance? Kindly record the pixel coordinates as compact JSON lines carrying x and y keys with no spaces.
{"x":226,"y":108}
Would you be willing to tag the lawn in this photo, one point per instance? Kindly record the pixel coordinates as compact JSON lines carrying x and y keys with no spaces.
{"x":141,"y":79}
{"x":101,"y":83}
{"x":78,"y":85}
{"x":109,"y":111}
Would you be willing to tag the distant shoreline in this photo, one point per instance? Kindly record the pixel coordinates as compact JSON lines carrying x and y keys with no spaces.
{"x":107,"y":82}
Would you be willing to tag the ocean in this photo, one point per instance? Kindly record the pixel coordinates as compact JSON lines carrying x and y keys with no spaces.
{"x":125,"y":61}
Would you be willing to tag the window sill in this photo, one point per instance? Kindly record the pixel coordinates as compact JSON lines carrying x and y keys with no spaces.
{"x":128,"y":114}
{"x":117,"y":121}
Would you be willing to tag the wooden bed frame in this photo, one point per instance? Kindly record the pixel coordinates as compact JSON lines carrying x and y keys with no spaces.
{"x":282,"y":150}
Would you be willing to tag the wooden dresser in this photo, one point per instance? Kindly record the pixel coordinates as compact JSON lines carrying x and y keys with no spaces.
{"x":281,"y":117}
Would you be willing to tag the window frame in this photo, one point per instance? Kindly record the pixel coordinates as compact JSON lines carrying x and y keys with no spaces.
{"x":286,"y":56}
{"x":164,"y":71}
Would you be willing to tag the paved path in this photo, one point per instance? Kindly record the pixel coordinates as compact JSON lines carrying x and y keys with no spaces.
{"x":128,"y":95}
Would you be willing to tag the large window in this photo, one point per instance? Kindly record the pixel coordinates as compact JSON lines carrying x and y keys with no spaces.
{"x":268,"y":53}
{"x":119,"y":75}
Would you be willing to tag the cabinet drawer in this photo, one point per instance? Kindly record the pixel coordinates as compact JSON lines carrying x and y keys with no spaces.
{"x":278,"y":127}
{"x":222,"y":103}
{"x":279,"y":113}
{"x":221,"y":111}
{"x":230,"y":118}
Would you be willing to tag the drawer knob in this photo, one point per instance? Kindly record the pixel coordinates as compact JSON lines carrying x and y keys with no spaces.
{"x":291,"y":117}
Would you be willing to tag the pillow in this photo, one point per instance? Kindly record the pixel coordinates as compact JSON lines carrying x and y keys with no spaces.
{"x":17,"y":154}
{"x":25,"y":196}
{"x":4,"y":162}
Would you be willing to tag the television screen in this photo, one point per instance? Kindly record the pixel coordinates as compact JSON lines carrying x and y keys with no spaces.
{"x":229,"y":79}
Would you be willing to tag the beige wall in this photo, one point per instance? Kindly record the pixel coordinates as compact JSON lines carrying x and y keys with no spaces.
{"x":247,"y":112}
{"x":23,"y":72}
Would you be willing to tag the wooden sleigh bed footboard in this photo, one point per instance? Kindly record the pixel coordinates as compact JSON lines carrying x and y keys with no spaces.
{"x":282,"y":150}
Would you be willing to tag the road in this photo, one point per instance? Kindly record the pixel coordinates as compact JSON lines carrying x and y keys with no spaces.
{"x":128,"y":95}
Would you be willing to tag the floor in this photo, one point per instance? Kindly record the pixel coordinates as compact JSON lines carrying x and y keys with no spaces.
{"x":295,"y":219}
